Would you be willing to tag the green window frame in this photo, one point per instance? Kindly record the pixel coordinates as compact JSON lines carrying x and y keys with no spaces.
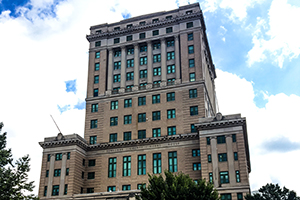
{"x":97,"y":54}
{"x":210,"y":177}
{"x":141,"y":134}
{"x":190,"y":36}
{"x":233,"y":137}
{"x":191,"y":63}
{"x":156,"y":132}
{"x":237,"y":176}
{"x":117,"y":53}
{"x":55,"y":190}
{"x":193,"y":110}
{"x":57,"y":172}
{"x":191,"y":49}
{"x":48,"y":157}
{"x":112,"y":167}
{"x":142,"y":35}
{"x":111,"y":188}
{"x":171,"y":130}
{"x":93,"y":139}
{"x":171,"y":96}
{"x":96,"y":79}
{"x":47,"y":173}
{"x":143,"y":73}
{"x":196,"y":152}
{"x":156,"y":163}
{"x":98,"y":44}
{"x":129,"y":76}
{"x":222,"y":157}
{"x":126,"y":187}
{"x":127,"y":135}
{"x":193,"y":93}
{"x":170,"y":43}
{"x":45,"y":191}
{"x":130,"y":63}
{"x":157,"y":71}
{"x":143,"y":48}
{"x":92,"y":163}
{"x":141,"y":164}
{"x":171,"y":113}
{"x":156,"y":45}
{"x":127,"y":119}
{"x":94,"y":108}
{"x":114,"y":105}
{"x":129,"y":38}
{"x":169,"y":30}
{"x":116,"y":40}
{"x":141,"y":101}
{"x":114,"y":121}
{"x":193,"y":128}
{"x":142,"y":117}
{"x":89,"y":190}
{"x":130,"y":51}
{"x":155,"y":32}
{"x":221,"y":139}
{"x":67,"y":171}
{"x":173,"y":161}
{"x":127,"y":166}
{"x":155,"y":115}
{"x":127,"y":103}
{"x":209,"y":158}
{"x":224,"y":177}
{"x":95,"y":93}
{"x":58,"y":156}
{"x":208,"y":140}
{"x":91,"y":175}
{"x":141,"y":185}
{"x":226,"y":197}
{"x":113,"y":137}
{"x":196,"y":166}
{"x":155,"y":98}
{"x":117,"y":78}
{"x":235,"y":155}
{"x":189,"y":25}
{"x":170,"y":55}
{"x":192,"y":77}
{"x":94,"y":123}
{"x":156,"y":58}
{"x":239,"y":196}
{"x":66,"y":189}
{"x":170,"y":69}
{"x":117,"y":65}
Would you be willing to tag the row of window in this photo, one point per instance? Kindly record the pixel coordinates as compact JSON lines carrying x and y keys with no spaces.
{"x":57,"y":172}
{"x":222,"y":157}
{"x":228,"y":196}
{"x":221,"y":139}
{"x":58,"y":156}
{"x":55,"y":190}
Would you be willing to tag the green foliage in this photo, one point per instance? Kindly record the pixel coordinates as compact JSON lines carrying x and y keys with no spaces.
{"x":273,"y":192}
{"x":13,"y":178}
{"x":177,"y":187}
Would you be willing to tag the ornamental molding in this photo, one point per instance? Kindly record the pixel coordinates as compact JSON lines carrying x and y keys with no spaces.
{"x":221,"y":124}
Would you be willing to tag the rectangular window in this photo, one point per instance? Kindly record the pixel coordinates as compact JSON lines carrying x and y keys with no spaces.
{"x":99,"y":31}
{"x":58,"y":156}
{"x":92,"y":163}
{"x":189,"y":25}
{"x":156,"y":83}
{"x":127,"y":166}
{"x":190,"y":36}
{"x":130,"y":63}
{"x":98,"y":44}
{"x":142,"y":35}
{"x":193,"y":93}
{"x":157,"y":71}
{"x":156,"y":45}
{"x":173,"y":161}
{"x":130,"y":51}
{"x":129,"y":76}
{"x":156,"y":132}
{"x":116,"y":40}
{"x":114,"y":105}
{"x":239,"y":196}
{"x":127,"y":135}
{"x":171,"y":96}
{"x":169,"y":17}
{"x":141,"y":134}
{"x":142,"y":164}
{"x":172,"y":130}
{"x":156,"y":163}
{"x":127,"y":119}
{"x":57,"y":172}
{"x":208,"y":140}
{"x":94,"y":123}
{"x":47,"y":173}
{"x":235,"y":155}
{"x":91,"y":175}
{"x":141,"y":117}
{"x":193,"y":110}
{"x":155,"y":32}
{"x":89,"y":190}
{"x":127,"y":103}
{"x":143,"y":60}
{"x":221,"y":139}
{"x":191,"y":62}
{"x":97,"y":54}
{"x":83,"y":162}
{"x":140,"y":186}
{"x":155,"y":20}
{"x":142,"y":23}
{"x":237,"y":176}
{"x":128,"y":37}
{"x":233,"y":137}
{"x":55,"y":190}
{"x":196,"y":166}
{"x":156,"y":58}
{"x":170,"y":69}
{"x":225,"y":196}
{"x":169,"y":30}
{"x":170,"y":55}
{"x":193,"y":128}
{"x":82,"y":175}
{"x":45,"y":191}
{"x":126,"y":187}
{"x":96,"y":79}
{"x":155,"y":98}
{"x":93,"y":139}
{"x":191,"y":49}
{"x":129,"y":26}
{"x":196,"y":152}
{"x":171,"y":113}
{"x":170,"y":43}
{"x":111,"y":188}
{"x":117,"y":28}
{"x":210,"y":175}
{"x":117,"y":53}
{"x":95,"y":94}
{"x":94,"y":108}
{"x":117,"y":65}
{"x":222,"y":157}
{"x":67,"y":171}
{"x":192,"y":77}
{"x":155,"y":115}
{"x":117,"y":78}
{"x":113,"y":137}
{"x":68,"y":155}
{"x":209,"y":158}
{"x":48,"y":157}
{"x":224,"y":177}
{"x":143,"y":48}
{"x":112,"y":167}
{"x":114,"y":121}
{"x":141,"y":101}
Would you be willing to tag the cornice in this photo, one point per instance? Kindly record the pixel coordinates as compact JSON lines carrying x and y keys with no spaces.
{"x":221,"y":124}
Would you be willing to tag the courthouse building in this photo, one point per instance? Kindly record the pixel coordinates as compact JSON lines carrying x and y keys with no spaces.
{"x":150,"y":107}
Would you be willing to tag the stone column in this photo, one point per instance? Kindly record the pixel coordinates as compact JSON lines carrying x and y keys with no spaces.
{"x":177,"y":60}
{"x":123,"y":69}
{"x":214,"y":160}
{"x":149,"y":65}
{"x":51,"y":174}
{"x":136,"y":67}
{"x":163,"y":62}
{"x":230,"y":160}
{"x":110,"y":71}
{"x":62,"y":175}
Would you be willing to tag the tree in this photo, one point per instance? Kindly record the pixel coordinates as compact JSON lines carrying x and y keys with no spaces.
{"x":273,"y":192}
{"x":13,"y":177}
{"x":175,"y":187}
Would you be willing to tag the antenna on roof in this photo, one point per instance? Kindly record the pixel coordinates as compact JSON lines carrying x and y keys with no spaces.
{"x":55,"y":124}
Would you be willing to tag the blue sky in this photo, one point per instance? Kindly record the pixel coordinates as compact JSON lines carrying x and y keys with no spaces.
{"x":255,"y":46}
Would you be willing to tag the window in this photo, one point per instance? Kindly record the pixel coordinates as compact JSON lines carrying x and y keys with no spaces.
{"x":225,"y":196}
{"x":171,"y":96}
{"x":129,"y":38}
{"x":117,"y":28}
{"x":129,"y":76}
{"x":237,"y":176}
{"x":45,"y":191}
{"x":57,"y":172}
{"x":193,"y":93}
{"x":129,"y":26}
{"x":113,"y":137}
{"x":156,"y":163}
{"x":156,"y":83}
{"x":91,"y":175}
{"x":196,"y":166}
{"x":171,"y":113}
{"x":141,"y":101}
{"x":68,"y":155}
{"x":193,"y":110}
{"x":89,"y":190}
{"x":98,"y":44}
{"x":143,"y":48}
{"x":190,"y":36}
{"x":141,"y":134}
{"x":94,"y":108}
{"x":189,"y":25}
{"x":113,"y":121}
{"x":55,"y":190}
{"x":193,"y":128}
{"x":117,"y":78}
{"x":210,"y":175}
{"x":221,"y":139}
{"x":140,"y":186}
{"x":156,"y":132}
{"x":209,"y":158}
{"x":172,"y":161}
{"x":155,"y":20}
{"x":66,"y":189}
{"x":192,"y":77}
{"x":170,"y":69}
{"x":83,"y":162}
{"x":156,"y":58}
{"x":127,"y":166}
{"x":67,"y":171}
{"x":208,"y":140}
{"x":222,"y":157}
{"x":95,"y":94}
{"x":172,"y":130}
{"x":196,"y":152}
{"x":127,"y":136}
{"x":169,"y":17}
{"x":142,"y":23}
{"x":142,"y":35}
{"x":48,"y":157}
{"x":224,"y":177}
{"x":157,"y":71}
{"x":156,"y":45}
{"x":127,"y":119}
{"x":117,"y":65}
{"x":142,"y":164}
{"x":112,"y":167}
{"x":117,"y":53}
{"x":97,"y":54}
{"x":235,"y":155}
{"x":191,"y":62}
{"x":126,"y":187}
{"x":155,"y":32}
{"x":142,"y":117}
{"x":155,"y":115}
{"x":169,"y":30}
{"x":116,"y":40}
{"x":143,"y":60}
{"x":233,"y":137}
{"x":130,"y":63}
{"x":170,"y":55}
{"x":171,"y":80}
{"x":155,"y":98}
{"x":111,"y":188}
{"x":82,"y":175}
{"x":191,"y":49}
{"x":189,"y":12}
{"x":130,"y":51}
{"x":92,"y":163}
{"x":170,"y":43}
{"x":94,"y":123}
{"x":127,"y":103}
{"x":239,"y":196}
{"x":47,"y":173}
{"x":58,"y":156}
{"x":93,"y":139}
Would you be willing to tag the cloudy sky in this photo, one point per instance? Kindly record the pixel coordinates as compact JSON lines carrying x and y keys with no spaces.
{"x":255,"y":46}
